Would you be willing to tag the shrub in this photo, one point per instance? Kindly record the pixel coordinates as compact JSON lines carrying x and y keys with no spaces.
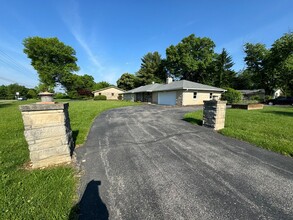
{"x":100,"y":97}
{"x":60,"y":95}
{"x":232,"y":96}
{"x":268,"y":97}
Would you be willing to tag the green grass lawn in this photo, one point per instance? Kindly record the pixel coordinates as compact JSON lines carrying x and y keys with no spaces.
{"x":40,"y":194}
{"x":270,"y":128}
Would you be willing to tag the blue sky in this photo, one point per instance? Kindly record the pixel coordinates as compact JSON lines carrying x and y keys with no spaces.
{"x":110,"y":37}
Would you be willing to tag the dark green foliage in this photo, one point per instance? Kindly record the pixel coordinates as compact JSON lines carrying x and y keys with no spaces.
{"x":231,"y":96}
{"x":256,"y":60}
{"x":53,"y":60}
{"x":281,"y":62}
{"x":224,"y":76}
{"x":191,"y":59}
{"x":42,"y":87}
{"x":100,"y":97}
{"x":101,"y":85}
{"x":60,"y":95}
{"x":79,"y":86}
{"x":32,"y":94}
{"x":127,"y":81}
{"x":9,"y":92}
{"x":3,"y":92}
{"x":244,"y":80}
{"x":151,"y":69}
{"x":272,"y":68}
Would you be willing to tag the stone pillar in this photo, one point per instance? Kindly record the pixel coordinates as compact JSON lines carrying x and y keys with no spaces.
{"x":48,"y":133}
{"x":214,"y":112}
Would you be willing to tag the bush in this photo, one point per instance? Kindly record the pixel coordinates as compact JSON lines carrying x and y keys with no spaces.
{"x":268,"y":97}
{"x":232,"y":96}
{"x":60,"y":95}
{"x":100,"y":97}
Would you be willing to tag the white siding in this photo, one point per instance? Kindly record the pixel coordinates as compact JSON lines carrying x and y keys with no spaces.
{"x":200,"y":97}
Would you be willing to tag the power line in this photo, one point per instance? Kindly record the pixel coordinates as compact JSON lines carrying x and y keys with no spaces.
{"x":5,"y":58}
{"x":11,"y":66}
{"x":13,"y":81}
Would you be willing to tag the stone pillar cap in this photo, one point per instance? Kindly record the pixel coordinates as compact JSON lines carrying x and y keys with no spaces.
{"x":46,"y":93}
{"x":46,"y":98}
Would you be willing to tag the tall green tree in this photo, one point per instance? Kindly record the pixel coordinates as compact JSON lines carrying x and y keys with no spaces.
{"x":3,"y":92}
{"x":53,"y":60}
{"x":127,"y":81}
{"x":13,"y":88}
{"x":9,"y":91}
{"x":281,"y":62}
{"x":151,"y":69}
{"x":191,"y":59}
{"x":224,"y":76}
{"x":272,"y":68}
{"x":32,"y":94}
{"x":244,"y":80}
{"x":78,"y":86}
{"x":256,"y":59}
{"x":101,"y":85}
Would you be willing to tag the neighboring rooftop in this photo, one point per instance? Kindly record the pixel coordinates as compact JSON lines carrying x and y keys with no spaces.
{"x":253,"y":91}
{"x":108,"y":88}
{"x":176,"y":85}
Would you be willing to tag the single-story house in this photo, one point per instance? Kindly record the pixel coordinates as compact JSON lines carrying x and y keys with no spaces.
{"x":248,"y":94}
{"x":180,"y":93}
{"x":111,"y":92}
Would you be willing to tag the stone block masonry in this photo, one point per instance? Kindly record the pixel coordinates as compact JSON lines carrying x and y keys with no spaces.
{"x":48,"y":133}
{"x":214,"y":112}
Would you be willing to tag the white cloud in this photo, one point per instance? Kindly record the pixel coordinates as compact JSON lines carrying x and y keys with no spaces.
{"x":73,"y":21}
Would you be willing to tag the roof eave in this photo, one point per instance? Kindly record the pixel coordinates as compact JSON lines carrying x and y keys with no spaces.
{"x":108,"y":88}
{"x":219,"y":90}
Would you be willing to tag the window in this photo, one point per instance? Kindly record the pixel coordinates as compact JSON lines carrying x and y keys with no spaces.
{"x":211,"y":95}
{"x":194,"y":95}
{"x":112,"y":94}
{"x":100,"y":93}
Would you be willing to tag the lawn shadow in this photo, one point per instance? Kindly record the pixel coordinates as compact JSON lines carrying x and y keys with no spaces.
{"x":289,"y":114}
{"x":193,"y":120}
{"x":4,"y":105}
{"x":91,"y":205}
{"x":74,"y":136}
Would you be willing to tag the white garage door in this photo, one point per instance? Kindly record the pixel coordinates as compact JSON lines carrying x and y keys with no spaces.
{"x":167,"y":98}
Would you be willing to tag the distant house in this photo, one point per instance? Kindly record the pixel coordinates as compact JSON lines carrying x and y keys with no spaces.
{"x":249,"y":94}
{"x":180,"y":93}
{"x":111,"y":92}
{"x":277,"y":93}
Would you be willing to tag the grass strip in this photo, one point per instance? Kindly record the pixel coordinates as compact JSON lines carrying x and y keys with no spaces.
{"x":270,"y":128}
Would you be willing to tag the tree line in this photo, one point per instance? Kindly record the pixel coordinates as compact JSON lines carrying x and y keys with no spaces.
{"x":83,"y":90}
{"x":194,"y":59}
{"x":9,"y":91}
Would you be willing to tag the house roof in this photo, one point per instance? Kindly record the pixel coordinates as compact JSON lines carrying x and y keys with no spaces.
{"x":99,"y":90}
{"x":147,"y":88}
{"x":251,"y":92}
{"x":176,"y":85}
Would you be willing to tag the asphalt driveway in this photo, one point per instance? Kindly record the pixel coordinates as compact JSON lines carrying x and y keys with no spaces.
{"x":147,"y":163}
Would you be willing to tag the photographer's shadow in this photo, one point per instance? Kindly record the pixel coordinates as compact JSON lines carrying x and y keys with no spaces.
{"x":91,"y":205}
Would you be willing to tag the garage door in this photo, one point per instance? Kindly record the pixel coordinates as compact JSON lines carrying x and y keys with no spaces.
{"x":167,"y":98}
